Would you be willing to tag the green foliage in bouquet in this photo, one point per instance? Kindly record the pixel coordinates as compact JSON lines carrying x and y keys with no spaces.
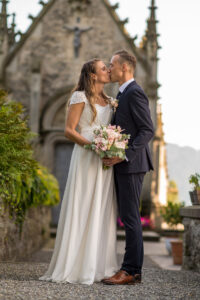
{"x":23,"y":182}
{"x":107,"y":146}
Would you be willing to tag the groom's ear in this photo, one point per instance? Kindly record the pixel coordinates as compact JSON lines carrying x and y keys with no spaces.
{"x":124,"y":67}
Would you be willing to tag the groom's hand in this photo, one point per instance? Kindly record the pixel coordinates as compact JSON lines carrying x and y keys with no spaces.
{"x":112,"y":161}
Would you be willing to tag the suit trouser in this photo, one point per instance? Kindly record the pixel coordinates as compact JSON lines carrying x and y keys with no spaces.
{"x":128,"y":189}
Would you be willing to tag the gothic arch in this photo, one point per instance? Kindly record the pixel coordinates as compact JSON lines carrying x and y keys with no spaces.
{"x":49,"y":147}
{"x":51,"y":108}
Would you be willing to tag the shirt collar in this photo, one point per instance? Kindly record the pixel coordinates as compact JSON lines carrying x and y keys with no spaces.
{"x":125,"y":84}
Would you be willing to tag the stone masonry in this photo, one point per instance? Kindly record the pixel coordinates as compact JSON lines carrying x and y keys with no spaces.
{"x":35,"y":233}
{"x":41,"y":69}
{"x":191,"y":242}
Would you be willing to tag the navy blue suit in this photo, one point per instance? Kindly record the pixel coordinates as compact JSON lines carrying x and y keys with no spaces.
{"x":133,"y":115}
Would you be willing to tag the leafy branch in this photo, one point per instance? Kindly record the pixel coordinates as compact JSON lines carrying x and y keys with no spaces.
{"x":23,"y":182}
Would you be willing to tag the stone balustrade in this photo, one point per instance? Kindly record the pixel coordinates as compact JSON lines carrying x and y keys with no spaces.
{"x":191,"y":240}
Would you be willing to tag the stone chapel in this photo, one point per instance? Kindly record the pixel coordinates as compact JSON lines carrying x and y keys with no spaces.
{"x":40,"y":67}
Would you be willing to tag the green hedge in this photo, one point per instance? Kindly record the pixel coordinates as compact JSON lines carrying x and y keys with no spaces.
{"x":23,"y":182}
{"x":171,"y":211}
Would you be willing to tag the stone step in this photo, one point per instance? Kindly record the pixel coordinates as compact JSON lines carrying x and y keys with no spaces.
{"x":149,"y":236}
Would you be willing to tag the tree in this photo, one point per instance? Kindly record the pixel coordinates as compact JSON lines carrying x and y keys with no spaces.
{"x":23,"y":182}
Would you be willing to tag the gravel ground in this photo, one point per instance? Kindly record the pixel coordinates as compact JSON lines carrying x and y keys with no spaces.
{"x":19,"y":281}
{"x":44,"y":256}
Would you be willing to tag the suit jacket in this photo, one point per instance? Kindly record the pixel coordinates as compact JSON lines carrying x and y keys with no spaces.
{"x":133,"y":115}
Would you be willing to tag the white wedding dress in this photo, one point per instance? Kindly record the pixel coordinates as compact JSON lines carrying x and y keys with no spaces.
{"x":85,"y":247}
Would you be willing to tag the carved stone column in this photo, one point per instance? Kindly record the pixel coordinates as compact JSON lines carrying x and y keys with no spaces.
{"x":35,"y":94}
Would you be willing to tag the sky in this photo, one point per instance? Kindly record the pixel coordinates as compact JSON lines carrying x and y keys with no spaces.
{"x":179,"y":58}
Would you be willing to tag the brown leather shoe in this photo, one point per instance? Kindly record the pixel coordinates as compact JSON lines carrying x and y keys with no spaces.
{"x":109,"y":278}
{"x":122,"y":277}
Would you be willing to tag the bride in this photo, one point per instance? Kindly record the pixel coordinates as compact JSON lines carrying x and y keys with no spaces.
{"x":85,"y":246}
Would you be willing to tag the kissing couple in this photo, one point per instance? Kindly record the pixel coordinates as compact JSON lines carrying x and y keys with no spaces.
{"x":85,"y":246}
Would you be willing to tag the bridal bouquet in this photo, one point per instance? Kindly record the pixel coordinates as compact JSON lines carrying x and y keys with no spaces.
{"x":109,"y":141}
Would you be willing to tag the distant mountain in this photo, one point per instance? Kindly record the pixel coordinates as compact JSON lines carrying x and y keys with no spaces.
{"x":182,"y":162}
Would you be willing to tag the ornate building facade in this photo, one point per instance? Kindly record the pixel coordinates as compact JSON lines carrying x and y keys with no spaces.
{"x":42,"y":67}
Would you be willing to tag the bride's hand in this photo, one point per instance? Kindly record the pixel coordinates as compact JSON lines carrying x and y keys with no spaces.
{"x":109,"y":162}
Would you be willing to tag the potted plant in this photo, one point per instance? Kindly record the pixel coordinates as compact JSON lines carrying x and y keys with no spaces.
{"x":171,"y":215}
{"x":195,"y":194}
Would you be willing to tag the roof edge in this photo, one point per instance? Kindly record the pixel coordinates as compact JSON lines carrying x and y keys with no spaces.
{"x":47,"y":6}
{"x":30,"y":29}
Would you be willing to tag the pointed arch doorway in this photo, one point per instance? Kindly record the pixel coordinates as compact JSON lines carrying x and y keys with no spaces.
{"x":57,"y":149}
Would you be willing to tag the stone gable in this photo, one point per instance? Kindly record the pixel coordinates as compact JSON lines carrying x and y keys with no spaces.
{"x":50,"y":48}
{"x":43,"y":67}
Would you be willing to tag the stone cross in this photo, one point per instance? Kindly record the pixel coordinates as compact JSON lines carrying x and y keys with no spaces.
{"x":77,"y":37}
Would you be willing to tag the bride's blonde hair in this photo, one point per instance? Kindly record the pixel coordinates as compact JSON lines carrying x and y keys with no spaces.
{"x":87,"y":84}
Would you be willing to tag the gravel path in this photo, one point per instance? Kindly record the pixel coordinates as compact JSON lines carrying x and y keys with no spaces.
{"x":19,"y":281}
{"x":44,"y":256}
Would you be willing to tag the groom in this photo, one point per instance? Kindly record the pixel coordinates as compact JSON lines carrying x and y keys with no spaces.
{"x":132,"y":115}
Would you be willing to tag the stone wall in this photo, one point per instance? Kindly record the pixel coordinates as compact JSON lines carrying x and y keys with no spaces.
{"x":49,"y":48}
{"x":42,"y":69}
{"x":35,"y":233}
{"x":191,"y":241}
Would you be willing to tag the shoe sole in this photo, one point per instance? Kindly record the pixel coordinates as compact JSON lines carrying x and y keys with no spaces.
{"x":135,"y":282}
{"x":128,"y":283}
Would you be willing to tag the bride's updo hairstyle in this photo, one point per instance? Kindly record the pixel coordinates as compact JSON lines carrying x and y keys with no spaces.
{"x":86,"y":83}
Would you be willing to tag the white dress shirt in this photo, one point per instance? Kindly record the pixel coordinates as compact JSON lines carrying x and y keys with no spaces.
{"x":125,"y":84}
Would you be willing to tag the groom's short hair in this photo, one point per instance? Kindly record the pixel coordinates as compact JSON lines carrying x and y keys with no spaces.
{"x":125,"y":56}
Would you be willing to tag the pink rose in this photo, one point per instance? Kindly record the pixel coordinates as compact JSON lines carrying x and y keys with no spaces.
{"x":120,"y":145}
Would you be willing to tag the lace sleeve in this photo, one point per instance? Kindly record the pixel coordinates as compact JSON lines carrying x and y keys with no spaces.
{"x":78,"y":97}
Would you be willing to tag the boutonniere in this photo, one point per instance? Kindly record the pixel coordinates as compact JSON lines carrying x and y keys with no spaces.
{"x":114,"y":103}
